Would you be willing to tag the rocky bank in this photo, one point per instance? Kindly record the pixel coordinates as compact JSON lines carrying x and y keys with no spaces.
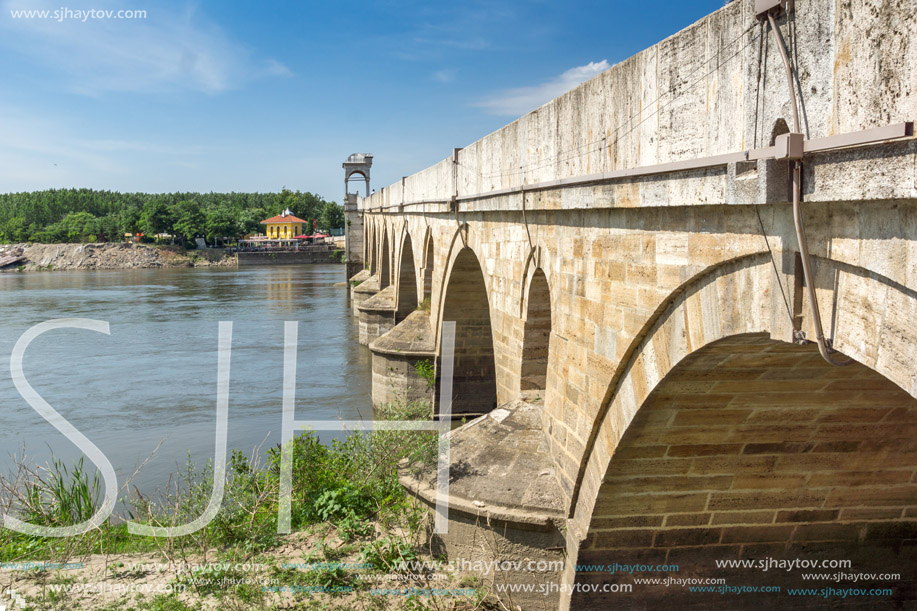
{"x":47,"y":257}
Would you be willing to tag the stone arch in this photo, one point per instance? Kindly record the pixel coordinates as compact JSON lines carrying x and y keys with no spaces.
{"x":465,"y":302}
{"x":429,"y":262}
{"x":385,"y":272}
{"x":870,"y":319}
{"x":753,"y":448}
{"x":536,"y":334}
{"x":456,"y":243}
{"x":667,"y":337}
{"x":407,"y":280}
{"x":373,"y":250}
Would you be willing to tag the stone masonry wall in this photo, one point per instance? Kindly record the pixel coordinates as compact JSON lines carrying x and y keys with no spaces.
{"x":642,"y":272}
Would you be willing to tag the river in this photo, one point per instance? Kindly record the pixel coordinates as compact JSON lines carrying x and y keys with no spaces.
{"x":154,"y":378}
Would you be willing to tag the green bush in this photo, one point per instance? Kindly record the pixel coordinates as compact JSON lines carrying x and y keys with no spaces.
{"x":426,"y":370}
{"x":350,"y":484}
{"x":61,"y":497}
{"x":383,"y":554}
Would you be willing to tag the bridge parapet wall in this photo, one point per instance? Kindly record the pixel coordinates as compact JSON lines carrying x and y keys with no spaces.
{"x":697,"y":94}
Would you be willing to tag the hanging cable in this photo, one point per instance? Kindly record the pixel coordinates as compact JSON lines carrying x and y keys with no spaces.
{"x":786,"y":301}
{"x":823,"y":343}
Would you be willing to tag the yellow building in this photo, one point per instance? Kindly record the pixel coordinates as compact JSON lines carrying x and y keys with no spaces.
{"x":283,"y":226}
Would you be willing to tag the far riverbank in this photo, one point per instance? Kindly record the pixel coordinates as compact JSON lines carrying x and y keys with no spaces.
{"x":55,"y":257}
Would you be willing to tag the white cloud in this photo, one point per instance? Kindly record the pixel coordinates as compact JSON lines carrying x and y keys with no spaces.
{"x":444,"y":75}
{"x":276,"y":68}
{"x":520,"y":100}
{"x":166,"y":51}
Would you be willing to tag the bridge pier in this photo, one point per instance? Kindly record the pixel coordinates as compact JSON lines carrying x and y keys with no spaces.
{"x":504,"y":501}
{"x":376,"y":315}
{"x":355,"y":281}
{"x":363,"y":291}
{"x":356,"y":165}
{"x":398,"y":354}
{"x":353,"y":236}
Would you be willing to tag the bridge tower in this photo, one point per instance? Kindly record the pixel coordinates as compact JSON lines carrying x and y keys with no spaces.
{"x":357,"y":165}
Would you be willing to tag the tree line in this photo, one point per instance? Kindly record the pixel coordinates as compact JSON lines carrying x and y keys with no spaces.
{"x":87,"y":215}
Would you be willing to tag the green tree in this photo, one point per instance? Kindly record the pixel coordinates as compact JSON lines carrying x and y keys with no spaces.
{"x":79,"y":226}
{"x":307,"y":206}
{"x":288,"y":199}
{"x":221,"y":222}
{"x":15,"y":230}
{"x":129,"y":220}
{"x":250,"y":220}
{"x":156,"y":217}
{"x":40,"y":215}
{"x":331,"y":217}
{"x":50,"y":234}
{"x":110,"y":228}
{"x":189,"y":220}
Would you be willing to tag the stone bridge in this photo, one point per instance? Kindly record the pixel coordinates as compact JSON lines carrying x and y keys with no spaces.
{"x":638,"y":310}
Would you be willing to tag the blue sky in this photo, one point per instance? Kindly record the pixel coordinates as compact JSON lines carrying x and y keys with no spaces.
{"x":231,"y":96}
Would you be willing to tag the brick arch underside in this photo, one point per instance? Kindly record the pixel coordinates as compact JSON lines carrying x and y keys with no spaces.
{"x":429,"y":261}
{"x":407,"y":280}
{"x":749,"y":448}
{"x":536,"y":337}
{"x":385,"y":272}
{"x":474,"y":372}
{"x":372,"y":249}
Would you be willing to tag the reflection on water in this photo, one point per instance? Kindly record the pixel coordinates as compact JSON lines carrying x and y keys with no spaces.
{"x":280,"y":289}
{"x":154,"y":378}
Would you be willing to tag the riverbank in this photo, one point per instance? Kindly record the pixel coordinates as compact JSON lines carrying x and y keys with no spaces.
{"x":358,"y":540}
{"x":56,"y":257}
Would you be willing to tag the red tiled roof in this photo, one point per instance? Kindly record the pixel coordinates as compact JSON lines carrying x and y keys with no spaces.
{"x":283,"y":219}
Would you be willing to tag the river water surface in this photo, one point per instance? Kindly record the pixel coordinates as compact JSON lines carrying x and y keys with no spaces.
{"x":154,"y":379}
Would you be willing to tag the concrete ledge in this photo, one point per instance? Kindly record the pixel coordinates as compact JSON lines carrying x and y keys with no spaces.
{"x":411,"y":337}
{"x":287,"y":258}
{"x":360,"y":276}
{"x":500,"y":469}
{"x":492,"y":514}
{"x":376,"y":314}
{"x":504,"y":501}
{"x":363,"y":291}
{"x":395,"y":356}
{"x":369,"y":286}
{"x":382,"y":301}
